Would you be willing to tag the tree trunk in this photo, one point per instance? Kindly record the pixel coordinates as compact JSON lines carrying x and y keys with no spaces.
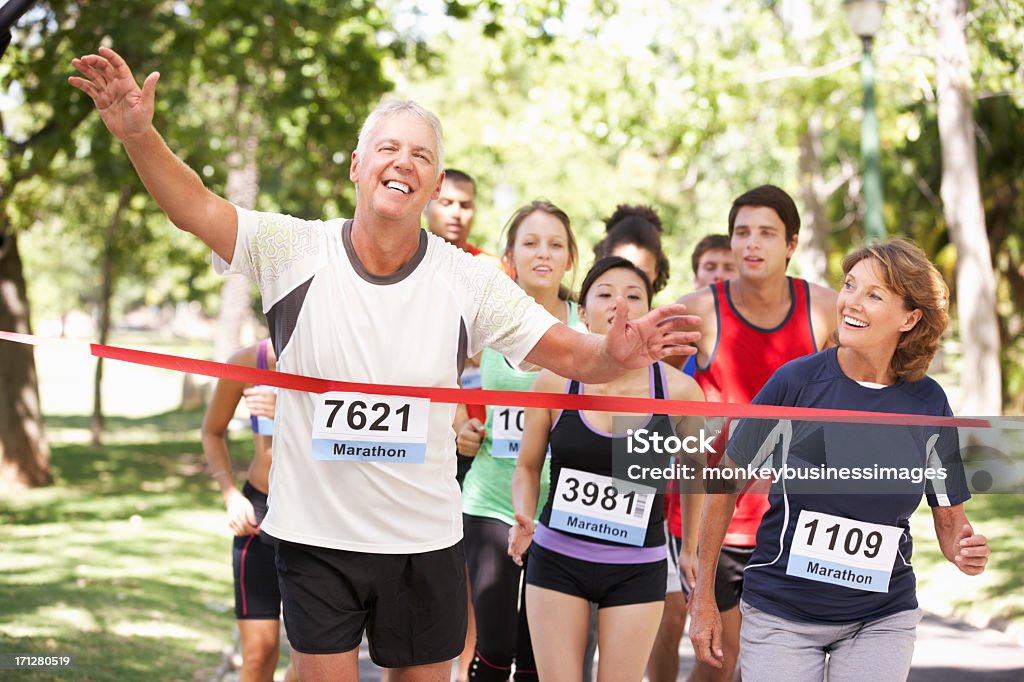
{"x":235,"y":297}
{"x":24,"y":452}
{"x":980,"y":374}
{"x":106,"y":293}
{"x":813,"y":251}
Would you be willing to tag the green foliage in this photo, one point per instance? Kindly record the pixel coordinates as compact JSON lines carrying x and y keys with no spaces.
{"x":914,"y":167}
{"x":685,"y":105}
{"x":295,"y":77}
{"x":655,"y":103}
{"x":588,"y":103}
{"x":997,"y":595}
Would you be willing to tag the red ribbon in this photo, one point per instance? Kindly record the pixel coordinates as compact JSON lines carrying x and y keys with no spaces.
{"x":557,"y":401}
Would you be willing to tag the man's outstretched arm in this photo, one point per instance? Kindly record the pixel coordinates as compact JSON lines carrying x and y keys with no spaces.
{"x":629,"y":344}
{"x":127,"y":111}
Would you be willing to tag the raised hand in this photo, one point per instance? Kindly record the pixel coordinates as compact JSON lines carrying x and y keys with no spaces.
{"x":661,"y":332}
{"x":126,"y":109}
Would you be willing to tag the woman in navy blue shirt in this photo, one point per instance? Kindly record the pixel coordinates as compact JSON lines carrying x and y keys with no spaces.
{"x":830,"y":583}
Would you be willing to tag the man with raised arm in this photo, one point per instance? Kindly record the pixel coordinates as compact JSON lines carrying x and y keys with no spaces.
{"x":363,"y":498}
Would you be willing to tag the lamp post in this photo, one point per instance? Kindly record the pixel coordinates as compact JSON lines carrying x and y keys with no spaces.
{"x":865,"y":18}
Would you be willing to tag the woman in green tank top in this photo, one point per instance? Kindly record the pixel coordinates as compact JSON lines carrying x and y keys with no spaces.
{"x":541,"y":249}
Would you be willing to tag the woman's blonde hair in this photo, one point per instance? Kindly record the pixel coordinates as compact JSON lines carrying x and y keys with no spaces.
{"x":906,"y":271}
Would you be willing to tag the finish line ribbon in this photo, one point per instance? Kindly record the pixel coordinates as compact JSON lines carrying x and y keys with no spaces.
{"x":557,"y":401}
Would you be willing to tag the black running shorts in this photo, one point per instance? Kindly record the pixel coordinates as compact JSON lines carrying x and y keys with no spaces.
{"x":257,"y":594}
{"x":604,"y":584}
{"x":729,"y":576}
{"x":411,"y":606}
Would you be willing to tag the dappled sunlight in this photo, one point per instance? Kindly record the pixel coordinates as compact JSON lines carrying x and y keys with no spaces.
{"x":154,"y":629}
{"x":126,"y":562}
{"x":66,"y":380}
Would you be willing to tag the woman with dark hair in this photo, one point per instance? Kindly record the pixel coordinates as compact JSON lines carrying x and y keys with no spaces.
{"x":634,"y":233}
{"x":618,"y":561}
{"x":830,"y":583}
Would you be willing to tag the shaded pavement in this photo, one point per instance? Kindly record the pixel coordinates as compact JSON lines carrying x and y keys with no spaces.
{"x":947,"y":650}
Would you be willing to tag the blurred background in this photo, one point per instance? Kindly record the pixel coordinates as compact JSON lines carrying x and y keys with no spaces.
{"x":909,"y":125}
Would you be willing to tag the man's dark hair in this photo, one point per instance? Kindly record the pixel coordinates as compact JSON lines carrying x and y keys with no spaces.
{"x":771,"y":197}
{"x":713,"y":242}
{"x":458,"y":176}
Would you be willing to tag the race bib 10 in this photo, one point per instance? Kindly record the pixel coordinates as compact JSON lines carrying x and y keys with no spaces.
{"x":841,"y":551}
{"x":506,"y":431}
{"x":358,"y":427}
{"x":507,"y":425}
{"x":593,"y":505}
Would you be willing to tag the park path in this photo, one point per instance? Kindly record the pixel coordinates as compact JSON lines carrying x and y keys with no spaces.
{"x":947,"y":650}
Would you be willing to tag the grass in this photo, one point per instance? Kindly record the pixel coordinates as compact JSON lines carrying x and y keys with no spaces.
{"x":125,"y":561}
{"x":996,"y":597}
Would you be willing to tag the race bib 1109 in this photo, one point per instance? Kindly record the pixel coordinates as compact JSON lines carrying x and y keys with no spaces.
{"x":841,"y":551}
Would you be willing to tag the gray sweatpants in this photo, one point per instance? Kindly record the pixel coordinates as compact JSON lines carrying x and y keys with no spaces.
{"x":773,"y":648}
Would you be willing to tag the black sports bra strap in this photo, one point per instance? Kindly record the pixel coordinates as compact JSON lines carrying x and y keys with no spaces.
{"x":574,"y":387}
{"x":659,"y":381}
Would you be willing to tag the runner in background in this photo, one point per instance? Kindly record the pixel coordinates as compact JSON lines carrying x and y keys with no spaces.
{"x":575,"y":561}
{"x":450,"y":216}
{"x":751,"y":326}
{"x":712,"y":262}
{"x":540,"y":249}
{"x":634,"y":233}
{"x":830,"y":591}
{"x":257,"y":595}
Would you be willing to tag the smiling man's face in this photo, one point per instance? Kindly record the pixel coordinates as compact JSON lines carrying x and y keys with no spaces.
{"x":397,"y":174}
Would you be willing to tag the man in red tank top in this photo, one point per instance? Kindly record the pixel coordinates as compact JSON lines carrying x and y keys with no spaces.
{"x":752,"y":325}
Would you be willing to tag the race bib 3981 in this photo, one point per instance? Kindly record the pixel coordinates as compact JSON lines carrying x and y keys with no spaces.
{"x":358,"y":427}
{"x":589,"y":504}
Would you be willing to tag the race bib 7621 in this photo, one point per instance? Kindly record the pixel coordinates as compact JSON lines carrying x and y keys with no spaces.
{"x":359,"y":427}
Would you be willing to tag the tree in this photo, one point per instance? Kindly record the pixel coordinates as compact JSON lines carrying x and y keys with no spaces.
{"x":965,"y":216}
{"x":241,"y":188}
{"x":24,"y":452}
{"x":107,"y":279}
